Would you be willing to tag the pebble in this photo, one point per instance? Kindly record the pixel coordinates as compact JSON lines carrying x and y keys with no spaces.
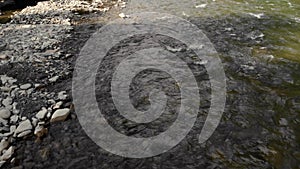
{"x":62,"y":95}
{"x":7,"y":154}
{"x":3,"y":56}
{"x":3,"y":121}
{"x":23,"y":126}
{"x":122,"y":15}
{"x":5,"y":89}
{"x":14,"y":119}
{"x":53,"y":79}
{"x":58,"y":105}
{"x":60,"y":115}
{"x":3,"y":144}
{"x":283,"y":122}
{"x":25,"y":86}
{"x":201,"y":6}
{"x":24,"y":133}
{"x":4,"y":113}
{"x":34,"y":121}
{"x":7,"y":102}
{"x":41,"y":114}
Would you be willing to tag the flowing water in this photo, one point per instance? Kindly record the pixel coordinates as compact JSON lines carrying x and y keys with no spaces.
{"x":259,"y":43}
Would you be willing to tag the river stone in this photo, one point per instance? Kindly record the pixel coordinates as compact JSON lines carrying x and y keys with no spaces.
{"x":24,"y":133}
{"x":5,"y":89}
{"x":60,"y":115}
{"x":14,"y":119}
{"x":3,"y":56}
{"x":58,"y":105}
{"x":283,"y":122}
{"x":23,"y":126}
{"x":3,"y":144}
{"x":2,"y":162}
{"x":4,"y":113}
{"x":62,"y":95}
{"x":53,"y":79}
{"x":25,"y":86}
{"x":7,"y":102}
{"x":42,"y":113}
{"x":3,"y":121}
{"x":8,"y":153}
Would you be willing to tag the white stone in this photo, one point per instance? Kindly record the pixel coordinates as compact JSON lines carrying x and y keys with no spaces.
{"x":14,"y":119}
{"x":60,"y":115}
{"x":283,"y":122}
{"x":7,"y":154}
{"x":24,"y":133}
{"x":25,"y":86}
{"x":58,"y":105}
{"x":23,"y":126}
{"x":122,"y":15}
{"x":53,"y":79}
{"x":62,"y":95}
{"x":201,"y":6}
{"x":41,"y":114}
{"x":4,"y":113}
{"x":3,"y":121}
{"x":5,"y":89}
{"x":3,"y":144}
{"x":5,"y":79}
{"x":7,"y":102}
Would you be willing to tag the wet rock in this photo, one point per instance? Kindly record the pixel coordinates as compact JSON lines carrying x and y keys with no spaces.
{"x":25,"y":86}
{"x":60,"y":115}
{"x":5,"y":89}
{"x":122,"y":15}
{"x":4,"y":113}
{"x":23,"y":126}
{"x":34,"y":121}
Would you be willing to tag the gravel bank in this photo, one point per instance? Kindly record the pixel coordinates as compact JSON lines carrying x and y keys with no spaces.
{"x":34,"y":69}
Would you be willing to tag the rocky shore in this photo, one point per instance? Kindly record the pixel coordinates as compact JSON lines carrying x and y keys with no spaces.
{"x":31,"y":63}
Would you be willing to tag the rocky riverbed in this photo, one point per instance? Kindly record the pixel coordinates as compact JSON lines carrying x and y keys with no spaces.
{"x":39,"y":127}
